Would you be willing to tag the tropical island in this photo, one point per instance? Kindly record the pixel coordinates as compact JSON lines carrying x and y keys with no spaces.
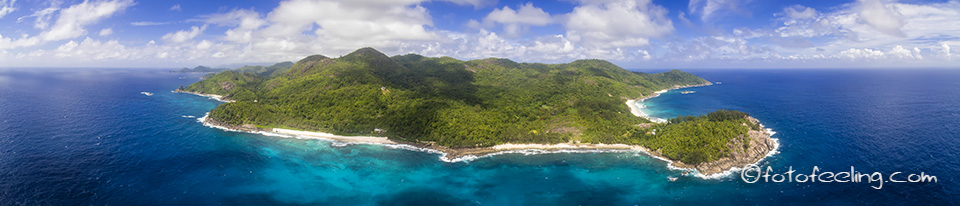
{"x":479,"y":107}
{"x":199,"y":69}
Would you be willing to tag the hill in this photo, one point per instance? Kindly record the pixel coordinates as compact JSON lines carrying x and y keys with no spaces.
{"x":449,"y":102}
{"x":266,"y":71}
{"x":200,"y":69}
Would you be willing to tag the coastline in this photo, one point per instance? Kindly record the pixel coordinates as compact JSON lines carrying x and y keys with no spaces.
{"x":761,"y":145}
{"x":220,"y":98}
{"x":635,"y":108}
{"x":722,"y":169}
{"x":447,"y":154}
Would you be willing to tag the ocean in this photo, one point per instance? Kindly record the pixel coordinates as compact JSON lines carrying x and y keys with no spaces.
{"x":89,"y":137}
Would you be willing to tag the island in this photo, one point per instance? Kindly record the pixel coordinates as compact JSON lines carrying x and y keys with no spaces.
{"x":199,"y":69}
{"x":480,"y":107}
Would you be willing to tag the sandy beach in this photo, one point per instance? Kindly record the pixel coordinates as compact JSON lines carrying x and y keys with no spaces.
{"x":636,"y":104}
{"x":211,"y":96}
{"x":365,"y":139}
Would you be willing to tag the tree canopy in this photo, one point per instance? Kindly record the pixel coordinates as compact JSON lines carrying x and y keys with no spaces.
{"x":451,"y":102}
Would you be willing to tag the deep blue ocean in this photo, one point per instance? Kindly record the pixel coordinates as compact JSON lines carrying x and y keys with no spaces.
{"x":88,"y":137}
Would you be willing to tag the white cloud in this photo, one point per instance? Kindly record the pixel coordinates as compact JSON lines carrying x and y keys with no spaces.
{"x":176,"y":8}
{"x":245,"y":22}
{"x":23,"y":41}
{"x":859,"y":54}
{"x":67,"y":47}
{"x":899,"y":52}
{"x":381,"y":22}
{"x":799,"y":12}
{"x":473,"y":24}
{"x":106,"y":32}
{"x":309,"y":26}
{"x":945,"y":50}
{"x":629,"y":32}
{"x":846,"y":33}
{"x":72,"y":20}
{"x":644,"y":54}
{"x":7,"y":7}
{"x":183,"y":35}
{"x":612,"y":24}
{"x":517,"y":22}
{"x":710,"y":9}
{"x":148,"y":23}
{"x":42,"y":16}
{"x":474,"y":3}
{"x":93,"y":50}
{"x":553,"y":45}
{"x":881,"y":17}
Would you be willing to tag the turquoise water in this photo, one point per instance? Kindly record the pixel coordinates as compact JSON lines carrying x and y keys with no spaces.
{"x":87,"y":136}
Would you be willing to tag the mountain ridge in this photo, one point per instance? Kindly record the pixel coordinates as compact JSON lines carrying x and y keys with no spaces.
{"x":451,"y":102}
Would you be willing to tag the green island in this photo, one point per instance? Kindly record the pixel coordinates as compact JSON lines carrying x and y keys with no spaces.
{"x":200,"y":69}
{"x":480,"y":106}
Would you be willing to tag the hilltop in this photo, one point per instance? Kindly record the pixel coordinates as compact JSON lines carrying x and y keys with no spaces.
{"x":200,"y":69}
{"x":450,"y":102}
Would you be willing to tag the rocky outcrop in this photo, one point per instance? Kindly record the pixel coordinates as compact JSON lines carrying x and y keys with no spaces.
{"x":744,"y":150}
{"x":757,"y":147}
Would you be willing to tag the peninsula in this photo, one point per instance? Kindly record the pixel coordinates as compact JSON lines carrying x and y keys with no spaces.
{"x":479,"y":107}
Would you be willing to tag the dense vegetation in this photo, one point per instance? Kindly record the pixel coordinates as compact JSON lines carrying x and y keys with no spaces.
{"x":266,"y":71}
{"x":694,"y":140}
{"x":444,"y":100}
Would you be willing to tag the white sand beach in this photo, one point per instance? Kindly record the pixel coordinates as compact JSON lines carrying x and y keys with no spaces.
{"x":367,"y":139}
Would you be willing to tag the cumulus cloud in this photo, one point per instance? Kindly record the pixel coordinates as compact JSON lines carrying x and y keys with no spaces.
{"x":72,"y":20}
{"x":881,"y":17}
{"x":853,"y":32}
{"x":612,"y":24}
{"x":945,"y":49}
{"x":90,"y":49}
{"x":243,"y":21}
{"x":517,"y":22}
{"x":349,"y":25}
{"x":799,"y":12}
{"x":898,"y":52}
{"x":859,"y":54}
{"x":628,"y":32}
{"x":184,"y":35}
{"x":106,"y":32}
{"x":10,"y":43}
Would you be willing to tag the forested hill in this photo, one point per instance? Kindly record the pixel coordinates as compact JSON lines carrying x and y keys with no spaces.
{"x":200,"y":69}
{"x":444,"y":100}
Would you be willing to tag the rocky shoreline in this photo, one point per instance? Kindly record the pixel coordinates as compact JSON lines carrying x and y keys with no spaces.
{"x":759,"y":146}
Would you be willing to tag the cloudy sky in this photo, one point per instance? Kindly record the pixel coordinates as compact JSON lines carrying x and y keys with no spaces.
{"x":630,"y":33}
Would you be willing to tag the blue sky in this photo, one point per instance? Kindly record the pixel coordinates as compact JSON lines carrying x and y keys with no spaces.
{"x":630,"y":33}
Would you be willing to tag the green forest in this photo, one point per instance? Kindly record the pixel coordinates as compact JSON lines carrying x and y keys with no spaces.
{"x":696,"y":139}
{"x":447,"y":101}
